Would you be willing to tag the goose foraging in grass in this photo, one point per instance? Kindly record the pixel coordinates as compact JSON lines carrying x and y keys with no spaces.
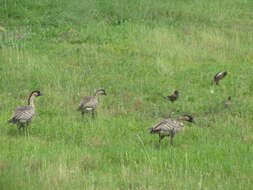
{"x":169,"y":127}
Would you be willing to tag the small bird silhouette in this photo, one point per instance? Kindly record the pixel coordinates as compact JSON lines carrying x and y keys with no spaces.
{"x":228,"y":102}
{"x":219,"y":76}
{"x":173,"y":97}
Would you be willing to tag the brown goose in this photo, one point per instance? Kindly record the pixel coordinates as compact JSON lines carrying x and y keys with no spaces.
{"x":169,"y":127}
{"x":89,"y":103}
{"x":23,"y":115}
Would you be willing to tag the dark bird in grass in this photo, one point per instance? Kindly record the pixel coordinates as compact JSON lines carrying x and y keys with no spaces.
{"x":23,"y":115}
{"x":173,"y":97}
{"x":219,"y":76}
{"x":169,"y":127}
{"x":228,"y":102}
{"x":89,"y":103}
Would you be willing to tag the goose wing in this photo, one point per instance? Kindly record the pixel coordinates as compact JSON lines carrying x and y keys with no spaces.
{"x":167,"y":125}
{"x":87,"y":101}
{"x":24,"y":113}
{"x":160,"y":126}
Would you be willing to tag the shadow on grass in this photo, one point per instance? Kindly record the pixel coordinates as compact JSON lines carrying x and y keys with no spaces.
{"x":15,"y":132}
{"x":163,"y":145}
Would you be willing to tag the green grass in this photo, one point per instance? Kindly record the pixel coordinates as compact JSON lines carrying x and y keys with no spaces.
{"x":138,"y":51}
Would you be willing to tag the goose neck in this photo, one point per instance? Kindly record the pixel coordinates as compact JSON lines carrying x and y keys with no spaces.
{"x":31,"y":101}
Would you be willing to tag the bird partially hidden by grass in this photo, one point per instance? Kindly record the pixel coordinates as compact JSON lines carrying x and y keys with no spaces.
{"x":188,"y":118}
{"x":24,"y":114}
{"x":173,"y":97}
{"x":228,"y":102}
{"x":219,"y":76}
{"x":89,"y":103}
{"x":169,"y":127}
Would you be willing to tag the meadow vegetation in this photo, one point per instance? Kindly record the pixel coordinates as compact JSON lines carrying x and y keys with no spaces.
{"x":138,"y":51}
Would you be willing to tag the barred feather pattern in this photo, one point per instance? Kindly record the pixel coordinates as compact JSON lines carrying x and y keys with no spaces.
{"x":88,"y":103}
{"x":23,"y":114}
{"x":167,"y":127}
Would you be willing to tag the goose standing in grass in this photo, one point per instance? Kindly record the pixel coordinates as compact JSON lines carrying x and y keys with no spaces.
{"x":219,"y":76}
{"x":169,"y":127}
{"x":89,"y":103}
{"x":228,"y":102}
{"x":173,"y":97}
{"x":23,"y":115}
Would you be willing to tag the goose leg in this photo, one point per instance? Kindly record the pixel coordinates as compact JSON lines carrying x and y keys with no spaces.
{"x":93,"y":113}
{"x":171,"y":138}
{"x":161,"y":138}
{"x":26,"y":128}
{"x":21,"y":127}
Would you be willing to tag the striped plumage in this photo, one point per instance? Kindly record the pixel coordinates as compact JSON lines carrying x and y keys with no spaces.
{"x":23,"y":115}
{"x":219,"y":76}
{"x":169,"y":127}
{"x":89,"y":103}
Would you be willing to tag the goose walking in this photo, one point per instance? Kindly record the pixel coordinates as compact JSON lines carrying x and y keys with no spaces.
{"x":169,"y":127}
{"x":89,"y":103}
{"x":23,"y":115}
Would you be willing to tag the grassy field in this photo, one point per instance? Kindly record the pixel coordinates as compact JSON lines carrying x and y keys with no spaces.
{"x":138,"y":51}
